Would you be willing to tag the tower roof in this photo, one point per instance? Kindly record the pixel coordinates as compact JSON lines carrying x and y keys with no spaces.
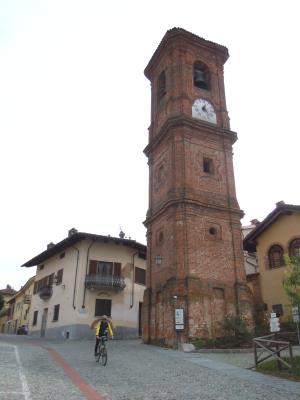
{"x":181,"y":34}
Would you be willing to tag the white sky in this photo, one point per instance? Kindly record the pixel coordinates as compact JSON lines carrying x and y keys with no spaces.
{"x":75,"y":111}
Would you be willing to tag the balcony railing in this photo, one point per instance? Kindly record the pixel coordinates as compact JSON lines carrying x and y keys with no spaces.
{"x":46,"y":292}
{"x":100,"y":282}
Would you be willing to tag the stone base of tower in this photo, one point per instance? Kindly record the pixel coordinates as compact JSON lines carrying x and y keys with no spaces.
{"x":205,"y":305}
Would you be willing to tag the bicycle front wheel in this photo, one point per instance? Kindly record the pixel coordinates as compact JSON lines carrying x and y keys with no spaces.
{"x":104,"y":356}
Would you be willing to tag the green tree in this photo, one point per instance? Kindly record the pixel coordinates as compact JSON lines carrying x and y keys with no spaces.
{"x":1,"y":301}
{"x":291,"y":279}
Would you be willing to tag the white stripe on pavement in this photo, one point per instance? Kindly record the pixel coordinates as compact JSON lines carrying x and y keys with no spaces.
{"x":25,"y":387}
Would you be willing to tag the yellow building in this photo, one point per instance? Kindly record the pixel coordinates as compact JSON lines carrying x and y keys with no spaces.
{"x":20,"y":307}
{"x":276,"y":235}
{"x":7,"y":294}
{"x":83,"y":277}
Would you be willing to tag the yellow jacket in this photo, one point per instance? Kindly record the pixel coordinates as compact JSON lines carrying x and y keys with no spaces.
{"x":108,"y":326}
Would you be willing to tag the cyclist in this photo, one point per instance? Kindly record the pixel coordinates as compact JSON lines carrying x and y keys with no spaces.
{"x":102,"y":329}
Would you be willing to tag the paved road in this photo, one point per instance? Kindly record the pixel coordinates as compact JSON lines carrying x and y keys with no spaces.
{"x":65,"y":370}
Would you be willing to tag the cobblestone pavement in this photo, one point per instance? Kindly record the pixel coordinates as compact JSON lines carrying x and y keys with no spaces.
{"x":134,"y":372}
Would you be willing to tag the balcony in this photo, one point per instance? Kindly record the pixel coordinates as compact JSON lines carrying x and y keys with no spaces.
{"x":46,"y":292}
{"x":104,"y":282}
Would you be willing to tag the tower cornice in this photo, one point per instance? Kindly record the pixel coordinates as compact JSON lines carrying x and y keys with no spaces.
{"x":175,"y":202}
{"x":176,"y":34}
{"x":180,"y":121}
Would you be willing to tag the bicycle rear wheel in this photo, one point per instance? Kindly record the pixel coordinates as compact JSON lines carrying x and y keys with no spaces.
{"x":104,"y":356}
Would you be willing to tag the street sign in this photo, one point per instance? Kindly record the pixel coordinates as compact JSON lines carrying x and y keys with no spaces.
{"x":179,"y":319}
{"x":274,"y":323}
{"x":296,"y":318}
{"x":295,"y":310}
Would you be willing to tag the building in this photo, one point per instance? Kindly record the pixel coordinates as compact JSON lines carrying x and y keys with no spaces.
{"x":7,"y":294}
{"x":19,"y":307}
{"x":276,"y":235}
{"x":195,"y":257}
{"x":83,"y":277}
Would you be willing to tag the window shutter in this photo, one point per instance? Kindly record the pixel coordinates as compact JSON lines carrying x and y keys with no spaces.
{"x":93,"y":267}
{"x":50,"y":281}
{"x":59,"y":276}
{"x":117,"y":269}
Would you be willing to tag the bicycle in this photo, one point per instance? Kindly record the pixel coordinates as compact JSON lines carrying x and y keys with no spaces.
{"x":102,"y":351}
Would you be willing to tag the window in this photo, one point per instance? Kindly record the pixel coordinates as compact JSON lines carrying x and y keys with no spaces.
{"x":59,"y":276}
{"x":56,"y":312}
{"x":161,"y":86}
{"x":140,"y":276}
{"x":35,"y":317}
{"x":201,"y":76}
{"x":294,"y":247}
{"x":105,"y":269}
{"x":208,"y":165}
{"x":102,"y":307}
{"x":276,"y":256}
{"x":62,"y":255}
{"x":277,"y":308}
{"x":44,"y":282}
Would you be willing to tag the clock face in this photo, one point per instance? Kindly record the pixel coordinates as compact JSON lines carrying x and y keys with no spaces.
{"x":204,"y":110}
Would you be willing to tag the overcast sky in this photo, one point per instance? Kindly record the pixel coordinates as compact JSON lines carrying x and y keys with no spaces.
{"x":75,"y":111}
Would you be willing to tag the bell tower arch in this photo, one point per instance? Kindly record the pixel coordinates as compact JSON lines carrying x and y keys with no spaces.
{"x":195,"y":255}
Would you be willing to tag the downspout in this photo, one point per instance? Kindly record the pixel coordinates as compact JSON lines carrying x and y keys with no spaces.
{"x":133,"y":275}
{"x":86,"y":269}
{"x":74,"y":292}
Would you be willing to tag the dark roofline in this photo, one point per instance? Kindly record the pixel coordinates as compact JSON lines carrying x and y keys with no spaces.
{"x":189,"y":37}
{"x":281,"y":208}
{"x":77,"y":237}
{"x":8,"y":291}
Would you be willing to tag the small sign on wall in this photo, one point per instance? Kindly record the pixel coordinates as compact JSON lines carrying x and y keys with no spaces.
{"x":179,"y":319}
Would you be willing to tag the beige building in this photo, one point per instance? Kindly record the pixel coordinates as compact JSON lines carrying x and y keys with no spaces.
{"x":83,"y":277}
{"x":7,"y":294}
{"x":276,"y":235}
{"x":18,"y":320}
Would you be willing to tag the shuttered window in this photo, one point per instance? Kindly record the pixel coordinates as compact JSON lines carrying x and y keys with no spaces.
{"x":35,"y":317}
{"x":56,"y":312}
{"x":276,"y":257}
{"x":140,"y":276}
{"x":59,"y":276}
{"x":117,"y":269}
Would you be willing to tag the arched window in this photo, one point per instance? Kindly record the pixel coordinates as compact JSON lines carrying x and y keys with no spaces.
{"x":294,"y":247}
{"x":201,"y":76}
{"x":161,"y":86}
{"x":275,"y":256}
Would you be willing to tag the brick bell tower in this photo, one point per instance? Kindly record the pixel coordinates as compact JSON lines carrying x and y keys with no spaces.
{"x":195,"y":256}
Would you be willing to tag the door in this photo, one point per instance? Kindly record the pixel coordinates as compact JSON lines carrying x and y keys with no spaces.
{"x":44,"y":322}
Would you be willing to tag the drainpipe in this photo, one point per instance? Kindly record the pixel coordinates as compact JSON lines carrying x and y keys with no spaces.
{"x":77,"y":260}
{"x":132,"y":289}
{"x":86,"y":269}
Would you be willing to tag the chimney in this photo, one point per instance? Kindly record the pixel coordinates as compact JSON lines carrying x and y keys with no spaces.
{"x":72,"y":232}
{"x":280,"y":203}
{"x":50,"y":245}
{"x":255,"y":222}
